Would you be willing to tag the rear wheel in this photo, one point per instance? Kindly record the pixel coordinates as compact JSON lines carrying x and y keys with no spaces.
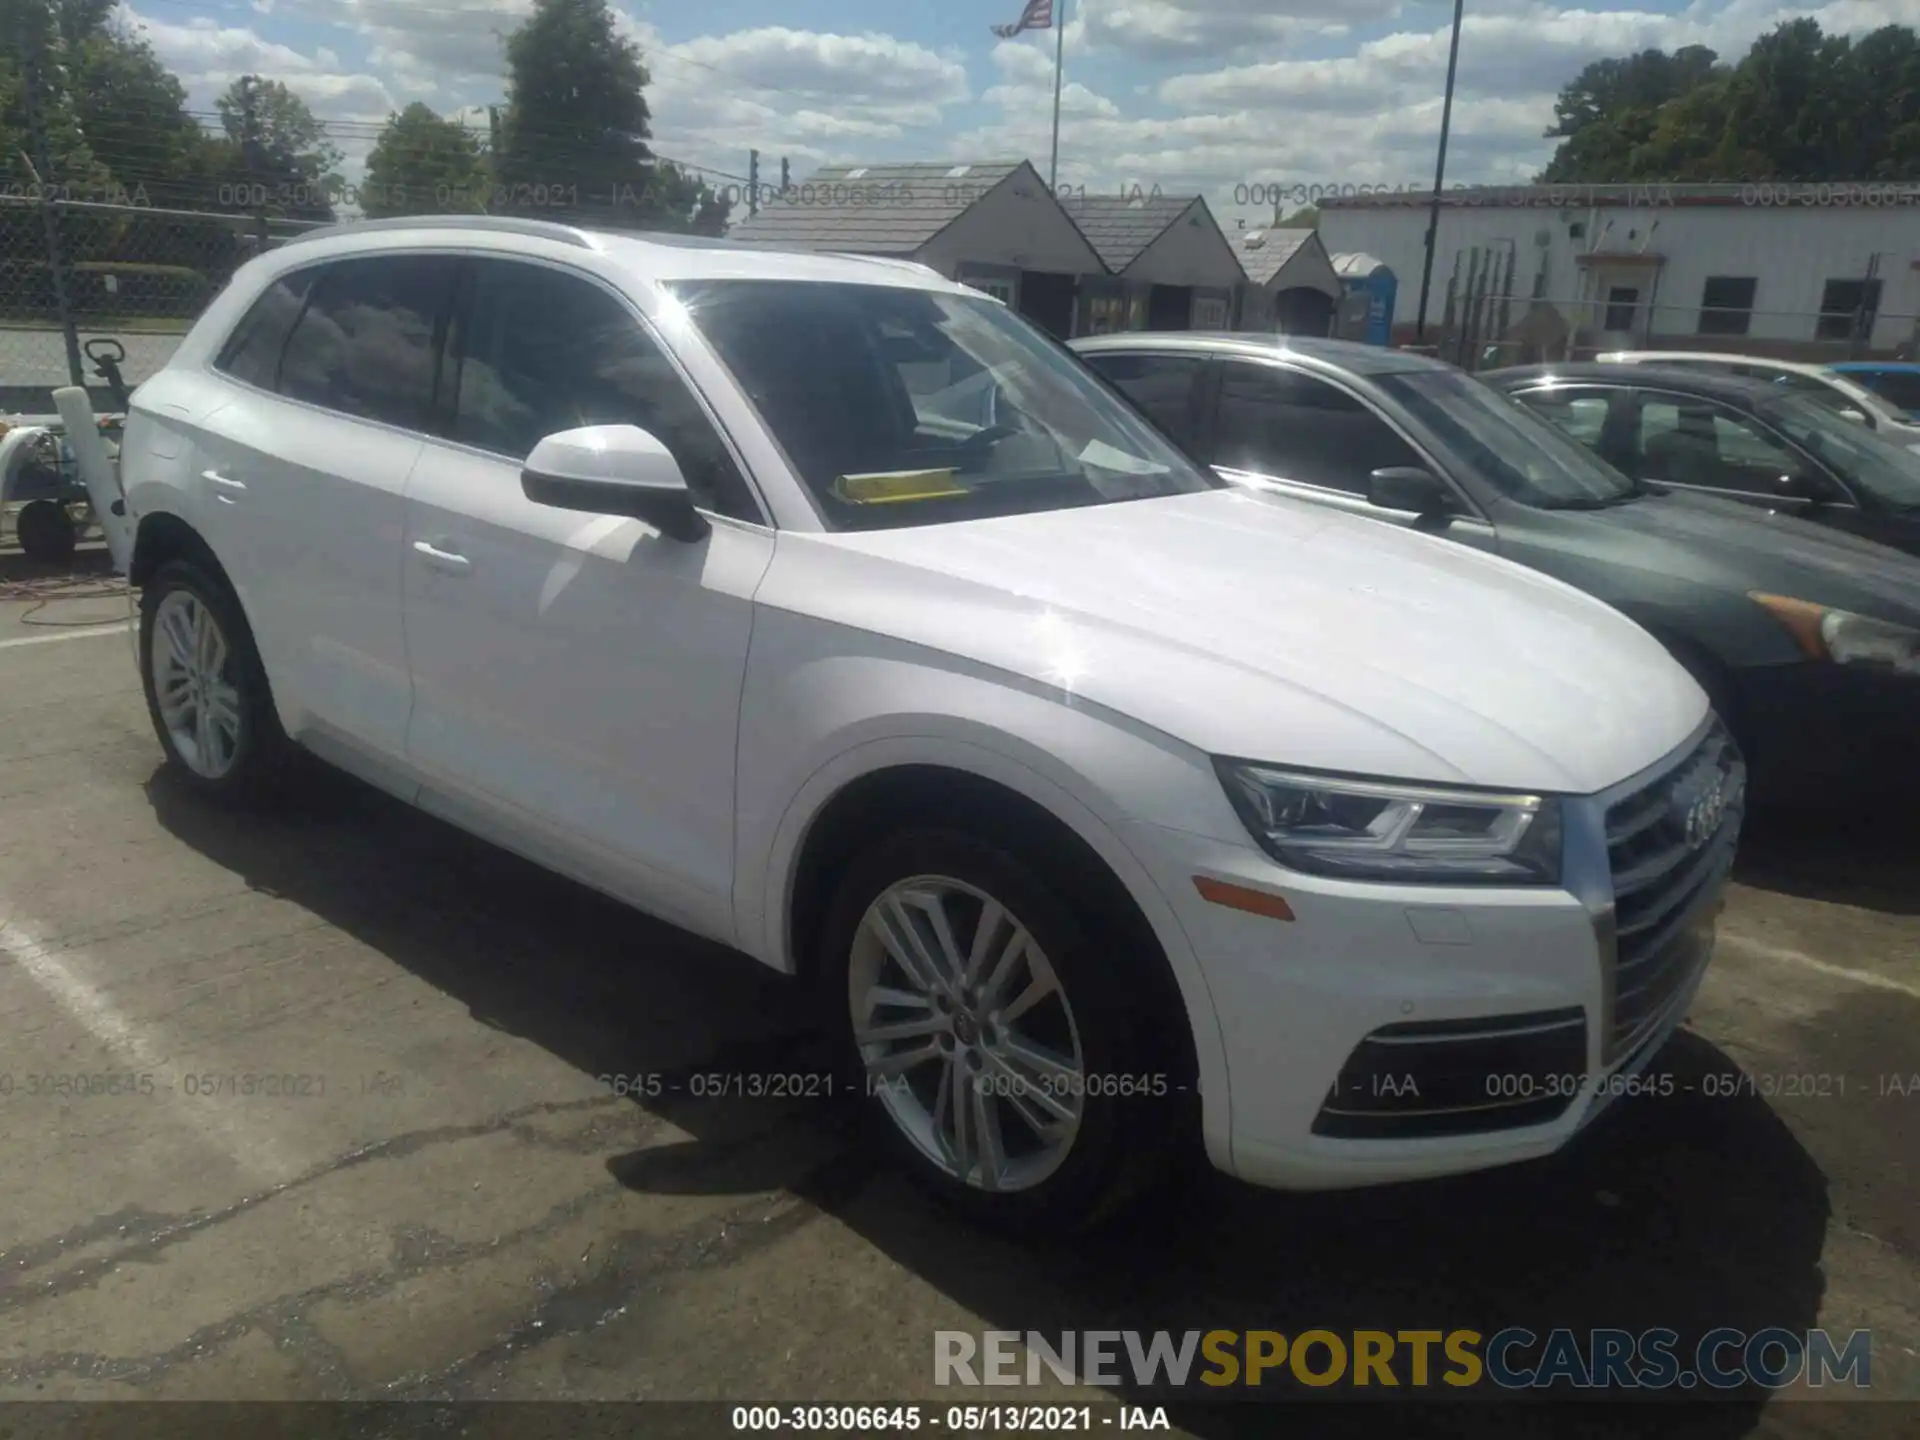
{"x":206,"y":690}
{"x":1006,"y":1058}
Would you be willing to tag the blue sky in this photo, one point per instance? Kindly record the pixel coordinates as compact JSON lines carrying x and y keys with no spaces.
{"x":1194,"y":96}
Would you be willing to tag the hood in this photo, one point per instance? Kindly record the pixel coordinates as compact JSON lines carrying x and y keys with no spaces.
{"x":1265,"y":628}
{"x":1737,"y":547}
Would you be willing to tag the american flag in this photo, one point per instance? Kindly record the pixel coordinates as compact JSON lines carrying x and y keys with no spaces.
{"x":1037,"y":16}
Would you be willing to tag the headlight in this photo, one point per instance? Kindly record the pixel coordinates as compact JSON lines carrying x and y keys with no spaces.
{"x":1843,"y":637}
{"x":1385,"y":830}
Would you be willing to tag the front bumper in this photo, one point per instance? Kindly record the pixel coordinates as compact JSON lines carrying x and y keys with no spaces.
{"x":1397,"y":1032}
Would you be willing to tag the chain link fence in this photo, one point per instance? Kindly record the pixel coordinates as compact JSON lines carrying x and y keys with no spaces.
{"x":75,"y":269}
{"x":140,"y":274}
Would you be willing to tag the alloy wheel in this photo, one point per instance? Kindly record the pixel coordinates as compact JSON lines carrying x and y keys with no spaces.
{"x":966,"y":1033}
{"x":193,"y":683}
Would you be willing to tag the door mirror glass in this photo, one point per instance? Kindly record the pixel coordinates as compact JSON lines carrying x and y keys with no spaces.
{"x":613,"y":470}
{"x":1409,"y":488}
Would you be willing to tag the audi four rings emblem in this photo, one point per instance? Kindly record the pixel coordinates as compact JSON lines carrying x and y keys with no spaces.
{"x":1703,"y":816}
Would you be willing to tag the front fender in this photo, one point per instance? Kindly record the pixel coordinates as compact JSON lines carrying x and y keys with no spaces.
{"x":816,"y":723}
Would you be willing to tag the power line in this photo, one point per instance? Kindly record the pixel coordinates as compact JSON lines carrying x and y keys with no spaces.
{"x":572,"y":144}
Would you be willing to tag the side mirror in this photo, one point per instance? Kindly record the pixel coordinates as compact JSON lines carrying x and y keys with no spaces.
{"x":613,"y":470}
{"x":1410,"y":488}
{"x":1859,"y":417}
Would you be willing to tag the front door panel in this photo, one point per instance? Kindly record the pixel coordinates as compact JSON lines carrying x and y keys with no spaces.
{"x":585,"y":671}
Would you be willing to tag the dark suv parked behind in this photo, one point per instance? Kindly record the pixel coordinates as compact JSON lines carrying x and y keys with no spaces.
{"x":1808,"y":639}
{"x":1748,"y":440}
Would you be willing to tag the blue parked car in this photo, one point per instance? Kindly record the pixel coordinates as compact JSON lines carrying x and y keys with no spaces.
{"x":1895,"y":381}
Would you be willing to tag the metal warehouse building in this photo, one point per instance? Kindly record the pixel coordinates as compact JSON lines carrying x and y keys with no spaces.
{"x":1801,"y":271}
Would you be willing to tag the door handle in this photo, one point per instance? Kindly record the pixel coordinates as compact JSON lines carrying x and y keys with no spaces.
{"x":440,"y":559}
{"x":225,"y":487}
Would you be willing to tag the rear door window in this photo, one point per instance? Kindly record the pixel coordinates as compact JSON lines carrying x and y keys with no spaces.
{"x":1288,"y":426}
{"x":1686,"y":441}
{"x":368,"y":343}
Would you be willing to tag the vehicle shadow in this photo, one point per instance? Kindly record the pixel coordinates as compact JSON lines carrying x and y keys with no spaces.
{"x":89,"y":563}
{"x":1687,"y":1212}
{"x":1868,"y":859}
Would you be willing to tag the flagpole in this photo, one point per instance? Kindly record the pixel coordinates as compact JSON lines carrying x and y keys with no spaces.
{"x":1059,"y":59}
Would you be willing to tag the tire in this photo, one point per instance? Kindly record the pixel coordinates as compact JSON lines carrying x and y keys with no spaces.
{"x":249,"y":756}
{"x":47,"y":531}
{"x":1118,"y":1143}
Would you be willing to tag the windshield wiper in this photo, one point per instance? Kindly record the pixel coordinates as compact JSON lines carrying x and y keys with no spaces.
{"x":1597,"y":502}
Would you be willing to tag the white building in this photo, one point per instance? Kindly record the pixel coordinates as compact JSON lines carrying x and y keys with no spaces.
{"x":1779,"y":269}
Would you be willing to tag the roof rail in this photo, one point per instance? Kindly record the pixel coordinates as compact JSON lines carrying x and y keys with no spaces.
{"x":499,"y":224}
{"x":679,"y":238}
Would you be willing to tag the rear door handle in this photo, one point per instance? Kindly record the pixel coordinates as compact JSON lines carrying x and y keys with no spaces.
{"x":440,"y":559}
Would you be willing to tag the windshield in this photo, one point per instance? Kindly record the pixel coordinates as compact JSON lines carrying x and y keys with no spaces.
{"x":1900,"y":388}
{"x":1525,"y":457}
{"x":1831,"y":398}
{"x":1888,"y":471}
{"x":1822,"y":390}
{"x":913,"y":407}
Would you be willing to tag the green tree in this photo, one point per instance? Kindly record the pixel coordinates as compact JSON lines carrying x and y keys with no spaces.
{"x":1636,"y":82}
{"x":1307,"y":217}
{"x":133,"y":111}
{"x":577,"y":124}
{"x":423,"y":164}
{"x":35,"y":57}
{"x":279,"y":147}
{"x":1801,"y":105}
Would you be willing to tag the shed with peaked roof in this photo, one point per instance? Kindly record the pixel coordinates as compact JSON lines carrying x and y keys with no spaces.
{"x":1292,"y":287}
{"x":1172,"y":267}
{"x":994,"y":225}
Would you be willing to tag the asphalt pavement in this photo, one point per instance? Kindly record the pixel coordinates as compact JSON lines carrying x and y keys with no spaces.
{"x":437,"y":1196}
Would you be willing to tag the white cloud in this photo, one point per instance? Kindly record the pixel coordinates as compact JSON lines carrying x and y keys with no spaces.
{"x":208,"y":57}
{"x":811,"y":96}
{"x":1026,"y":81}
{"x":1157,"y":29}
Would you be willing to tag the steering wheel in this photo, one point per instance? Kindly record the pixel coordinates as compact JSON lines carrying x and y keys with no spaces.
{"x":974,"y":448}
{"x":96,"y":349}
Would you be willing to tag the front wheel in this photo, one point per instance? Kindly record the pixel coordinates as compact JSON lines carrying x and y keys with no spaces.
{"x":206,"y":690}
{"x":1005,"y":1058}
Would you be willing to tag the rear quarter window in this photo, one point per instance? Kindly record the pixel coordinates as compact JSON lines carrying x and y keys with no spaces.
{"x":252,"y":351}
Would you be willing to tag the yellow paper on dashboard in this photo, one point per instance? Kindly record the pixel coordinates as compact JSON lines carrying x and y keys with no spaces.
{"x":888,"y":487}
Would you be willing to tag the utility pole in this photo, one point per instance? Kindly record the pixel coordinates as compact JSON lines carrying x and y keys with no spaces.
{"x":56,"y":258}
{"x":1439,"y":174}
{"x":786,"y":182}
{"x":753,"y":183}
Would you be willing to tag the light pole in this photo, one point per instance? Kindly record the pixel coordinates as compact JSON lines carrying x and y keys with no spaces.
{"x":1439,"y":174}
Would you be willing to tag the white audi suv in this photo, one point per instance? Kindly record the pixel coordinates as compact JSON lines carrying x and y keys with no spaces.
{"x":827,"y":609}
